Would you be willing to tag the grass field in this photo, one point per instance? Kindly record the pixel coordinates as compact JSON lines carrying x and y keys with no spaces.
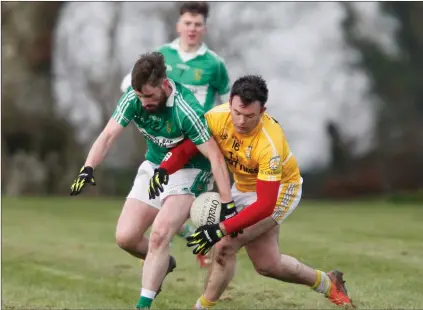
{"x":60,"y":253}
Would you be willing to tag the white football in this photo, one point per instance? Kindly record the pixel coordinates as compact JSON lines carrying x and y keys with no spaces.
{"x":206,"y":209}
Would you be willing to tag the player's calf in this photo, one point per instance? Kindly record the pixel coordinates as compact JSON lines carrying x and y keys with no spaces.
{"x":284,"y":268}
{"x":165,"y":226}
{"x":223,"y":270}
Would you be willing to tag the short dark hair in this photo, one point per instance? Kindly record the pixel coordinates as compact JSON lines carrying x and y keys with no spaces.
{"x":194,"y":7}
{"x":149,"y":69}
{"x":250,"y":88}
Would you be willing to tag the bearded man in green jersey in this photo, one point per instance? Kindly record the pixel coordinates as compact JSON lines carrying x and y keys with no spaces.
{"x":166,"y":113}
{"x":191,"y":63}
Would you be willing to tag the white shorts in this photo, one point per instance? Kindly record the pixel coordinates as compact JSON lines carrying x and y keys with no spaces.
{"x":185,"y":181}
{"x":288,"y":198}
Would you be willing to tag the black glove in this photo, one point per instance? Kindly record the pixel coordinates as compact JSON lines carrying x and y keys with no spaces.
{"x":86,"y":175}
{"x":204,"y":238}
{"x":228,"y":210}
{"x":159,"y":178}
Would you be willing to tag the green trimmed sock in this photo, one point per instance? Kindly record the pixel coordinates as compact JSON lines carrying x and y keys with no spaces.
{"x":146,"y":299}
{"x":187,"y":230}
{"x":144,"y":303}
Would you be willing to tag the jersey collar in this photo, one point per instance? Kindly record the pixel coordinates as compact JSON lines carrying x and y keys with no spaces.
{"x":201,"y":51}
{"x":171,"y":99}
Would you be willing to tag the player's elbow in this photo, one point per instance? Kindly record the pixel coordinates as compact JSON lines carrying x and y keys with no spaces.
{"x":262,"y":210}
{"x":112,"y":130}
{"x":106,"y":136}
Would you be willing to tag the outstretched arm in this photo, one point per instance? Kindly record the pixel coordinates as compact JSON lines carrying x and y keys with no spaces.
{"x":96,"y":155}
{"x":102,"y":145}
{"x":121,"y":117}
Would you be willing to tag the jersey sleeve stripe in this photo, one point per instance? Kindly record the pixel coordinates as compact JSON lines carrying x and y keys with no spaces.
{"x":275,"y":152}
{"x":195,"y":120}
{"x":287,"y":158}
{"x":179,"y":119}
{"x":183,"y":109}
{"x":123,"y":105}
{"x":288,"y":193}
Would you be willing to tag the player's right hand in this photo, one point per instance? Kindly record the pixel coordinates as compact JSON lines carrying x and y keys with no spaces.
{"x":86,"y":175}
{"x":155,"y":186}
{"x":204,"y":238}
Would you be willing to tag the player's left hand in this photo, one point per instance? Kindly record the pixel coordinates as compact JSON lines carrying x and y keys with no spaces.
{"x":86,"y":176}
{"x":204,"y":238}
{"x":228,"y":210}
{"x":159,"y":178}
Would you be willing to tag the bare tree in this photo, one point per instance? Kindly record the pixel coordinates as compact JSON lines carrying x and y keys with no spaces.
{"x":105,"y":91}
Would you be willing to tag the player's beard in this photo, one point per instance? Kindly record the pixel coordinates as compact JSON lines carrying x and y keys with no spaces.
{"x":160,"y":105}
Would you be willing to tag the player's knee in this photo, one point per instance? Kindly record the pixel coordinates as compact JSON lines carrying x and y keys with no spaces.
{"x":125,"y":240}
{"x":267,"y":265}
{"x":159,"y":237}
{"x":224,"y":252}
{"x":225,"y":248}
{"x":264,"y":268}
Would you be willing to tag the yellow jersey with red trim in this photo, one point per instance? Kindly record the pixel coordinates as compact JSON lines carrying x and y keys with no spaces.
{"x":262,"y":154}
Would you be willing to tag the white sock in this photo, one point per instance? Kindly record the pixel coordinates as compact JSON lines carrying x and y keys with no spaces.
{"x":198,"y":305}
{"x":148,"y":293}
{"x":322,"y":284}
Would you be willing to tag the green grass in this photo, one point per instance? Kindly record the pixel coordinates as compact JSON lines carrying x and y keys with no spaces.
{"x":60,"y":253}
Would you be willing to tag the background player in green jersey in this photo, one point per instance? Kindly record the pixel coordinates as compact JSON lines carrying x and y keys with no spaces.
{"x":191,"y":63}
{"x":165,"y":112}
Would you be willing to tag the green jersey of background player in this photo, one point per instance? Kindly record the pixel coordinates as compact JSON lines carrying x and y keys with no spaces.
{"x":191,"y":63}
{"x":165,"y":113}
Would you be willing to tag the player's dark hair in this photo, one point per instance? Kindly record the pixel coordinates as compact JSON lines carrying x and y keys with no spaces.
{"x":149,"y":69}
{"x":250,"y":88}
{"x":194,"y":7}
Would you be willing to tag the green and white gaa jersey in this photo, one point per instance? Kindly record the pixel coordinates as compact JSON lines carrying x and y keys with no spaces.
{"x":183,"y":117}
{"x":203,"y":72}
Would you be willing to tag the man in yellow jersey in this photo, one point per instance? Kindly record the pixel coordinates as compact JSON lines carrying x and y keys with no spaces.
{"x":267,"y":189}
